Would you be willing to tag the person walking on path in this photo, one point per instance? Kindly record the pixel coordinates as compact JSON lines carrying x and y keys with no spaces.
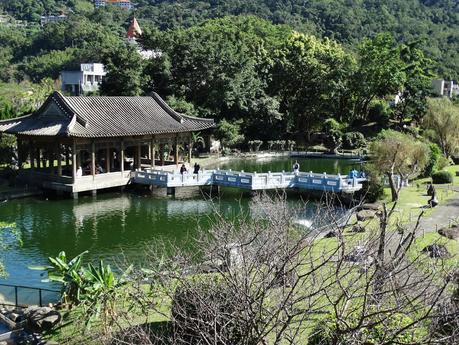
{"x":197,"y":167}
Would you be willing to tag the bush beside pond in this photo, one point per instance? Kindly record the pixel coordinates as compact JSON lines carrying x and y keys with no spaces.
{"x":442,"y":177}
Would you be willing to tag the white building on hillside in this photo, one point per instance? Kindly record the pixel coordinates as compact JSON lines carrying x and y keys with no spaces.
{"x":445,"y":88}
{"x":51,"y":19}
{"x":126,"y":4}
{"x":83,"y":81}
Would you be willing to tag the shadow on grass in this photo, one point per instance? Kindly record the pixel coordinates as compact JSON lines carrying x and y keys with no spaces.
{"x":149,"y":333}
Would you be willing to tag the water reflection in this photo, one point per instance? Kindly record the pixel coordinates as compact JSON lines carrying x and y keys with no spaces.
{"x":116,"y":225}
{"x":101,"y":209}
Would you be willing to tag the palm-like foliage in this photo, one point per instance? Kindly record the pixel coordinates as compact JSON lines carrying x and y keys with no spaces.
{"x":101,"y":292}
{"x":68,"y":273}
{"x":197,"y":138}
{"x":94,"y":287}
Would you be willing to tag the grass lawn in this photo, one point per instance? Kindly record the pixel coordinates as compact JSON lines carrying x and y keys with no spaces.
{"x":433,"y":237}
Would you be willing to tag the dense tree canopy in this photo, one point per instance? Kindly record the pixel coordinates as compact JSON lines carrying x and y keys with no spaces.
{"x":313,"y":79}
{"x":443,"y":121}
{"x":284,"y":78}
{"x":395,"y":153}
{"x":223,"y":67}
{"x":433,"y":22}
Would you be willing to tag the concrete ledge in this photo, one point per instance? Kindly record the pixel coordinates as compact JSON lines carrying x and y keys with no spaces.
{"x":19,"y":194}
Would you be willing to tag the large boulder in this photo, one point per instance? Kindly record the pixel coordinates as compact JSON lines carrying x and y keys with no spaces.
{"x":359,"y":255}
{"x":40,"y":319}
{"x":451,"y":233}
{"x":371,"y":207}
{"x":357,"y":228}
{"x":331,"y":234}
{"x":436,"y":251}
{"x":365,"y":215}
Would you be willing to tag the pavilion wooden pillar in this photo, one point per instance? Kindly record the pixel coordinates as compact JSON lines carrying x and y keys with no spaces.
{"x":161,"y":154}
{"x":190,"y":148}
{"x":59,"y":159}
{"x":176,"y":153}
{"x":37,"y":157}
{"x":67,"y":156}
{"x":112,"y":159}
{"x":122,"y":157}
{"x":107,"y":160}
{"x":152,"y":153}
{"x":93,"y":158}
{"x":43,"y":159}
{"x":32,"y":155}
{"x":139,"y":156}
{"x":20,"y":146}
{"x":74,"y":161}
{"x":51,"y":159}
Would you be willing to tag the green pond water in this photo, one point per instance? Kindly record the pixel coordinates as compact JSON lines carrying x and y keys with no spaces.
{"x":116,"y":226}
{"x":276,"y":164}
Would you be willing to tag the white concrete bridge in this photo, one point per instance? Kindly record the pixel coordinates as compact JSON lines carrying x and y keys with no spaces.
{"x":250,"y":181}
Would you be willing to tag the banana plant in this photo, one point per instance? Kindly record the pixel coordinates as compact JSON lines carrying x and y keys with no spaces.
{"x":69,"y":273}
{"x":197,"y":138}
{"x":102,"y":293}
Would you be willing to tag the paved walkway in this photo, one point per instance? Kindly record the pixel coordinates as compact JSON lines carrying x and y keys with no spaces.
{"x":446,"y":213}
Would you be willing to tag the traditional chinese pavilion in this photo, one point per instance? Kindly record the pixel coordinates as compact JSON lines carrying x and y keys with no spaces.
{"x":77,"y":144}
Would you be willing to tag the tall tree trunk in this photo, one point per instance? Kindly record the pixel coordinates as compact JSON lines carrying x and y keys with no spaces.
{"x":393,"y":188}
{"x":380,"y":259}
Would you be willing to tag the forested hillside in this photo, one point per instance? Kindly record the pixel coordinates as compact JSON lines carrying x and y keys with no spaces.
{"x":300,"y":64}
{"x":434,"y":22}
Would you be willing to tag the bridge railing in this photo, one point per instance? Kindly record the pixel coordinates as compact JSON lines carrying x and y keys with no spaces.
{"x":153,"y":177}
{"x":232,"y":179}
{"x":241,"y":179}
{"x":319,"y":181}
{"x":172,"y":179}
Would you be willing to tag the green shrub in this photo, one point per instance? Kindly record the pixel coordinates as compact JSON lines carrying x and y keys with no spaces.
{"x":397,"y":327}
{"x":441,"y":177}
{"x":331,"y":125}
{"x":373,"y":189}
{"x":323,"y":333}
{"x":353,"y":140}
{"x":291,"y":144}
{"x":226,"y":151}
{"x":443,"y":162}
{"x":380,"y":112}
{"x":434,"y":157}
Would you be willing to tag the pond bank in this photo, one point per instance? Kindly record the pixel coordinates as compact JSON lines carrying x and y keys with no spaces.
{"x":10,"y":193}
{"x":212,"y":160}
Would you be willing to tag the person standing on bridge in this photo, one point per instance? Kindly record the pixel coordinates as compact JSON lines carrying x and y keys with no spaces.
{"x":296,"y":167}
{"x":183,"y":169}
{"x":197,"y":167}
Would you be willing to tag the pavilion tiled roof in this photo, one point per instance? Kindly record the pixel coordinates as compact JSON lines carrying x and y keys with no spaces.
{"x":104,"y":116}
